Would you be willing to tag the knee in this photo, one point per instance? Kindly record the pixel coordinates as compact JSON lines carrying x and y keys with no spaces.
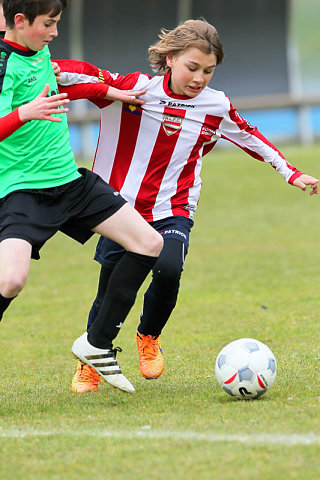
{"x":154,"y":243}
{"x":167,"y":275}
{"x":12,"y":284}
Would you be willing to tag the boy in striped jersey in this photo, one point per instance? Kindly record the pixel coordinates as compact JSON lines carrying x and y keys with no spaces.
{"x":153,"y":154}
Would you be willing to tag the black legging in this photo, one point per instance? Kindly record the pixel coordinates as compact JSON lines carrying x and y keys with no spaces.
{"x":161,"y":296}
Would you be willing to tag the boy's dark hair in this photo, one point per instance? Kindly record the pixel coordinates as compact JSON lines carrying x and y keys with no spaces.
{"x":31,"y":9}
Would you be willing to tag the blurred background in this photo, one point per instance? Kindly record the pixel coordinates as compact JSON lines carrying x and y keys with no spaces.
{"x":271,"y":69}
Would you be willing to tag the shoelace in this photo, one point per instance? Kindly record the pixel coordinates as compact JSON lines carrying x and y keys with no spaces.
{"x":149,"y":347}
{"x":88,"y":374}
{"x":116,"y":350}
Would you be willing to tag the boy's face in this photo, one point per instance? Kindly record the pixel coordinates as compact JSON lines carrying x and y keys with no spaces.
{"x":191,"y":71}
{"x":2,"y":20}
{"x":37,"y":35}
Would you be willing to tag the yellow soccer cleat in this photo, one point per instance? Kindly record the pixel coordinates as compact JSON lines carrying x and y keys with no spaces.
{"x":151,"y":359}
{"x":86,"y":379}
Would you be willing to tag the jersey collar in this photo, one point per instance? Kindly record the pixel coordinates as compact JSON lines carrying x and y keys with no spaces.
{"x":169,"y":92}
{"x":17,"y":48}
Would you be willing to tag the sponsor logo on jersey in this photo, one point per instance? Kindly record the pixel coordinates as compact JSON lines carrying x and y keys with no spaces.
{"x":32,"y":79}
{"x":101,"y":77}
{"x":132,"y":109}
{"x":114,"y":75}
{"x":171,"y":123}
{"x":242,"y":123}
{"x":176,"y":104}
{"x":207,"y":134}
{"x":191,"y":208}
{"x":37,"y":60}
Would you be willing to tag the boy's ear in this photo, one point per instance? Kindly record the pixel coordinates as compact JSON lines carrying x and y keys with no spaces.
{"x":169,"y":60}
{"x":20,"y":20}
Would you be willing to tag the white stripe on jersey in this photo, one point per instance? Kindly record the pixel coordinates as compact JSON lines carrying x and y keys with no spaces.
{"x":139,"y":162}
{"x":108,"y":143}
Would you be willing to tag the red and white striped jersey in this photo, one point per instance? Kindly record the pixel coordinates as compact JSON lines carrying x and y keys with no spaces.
{"x":153,"y":154}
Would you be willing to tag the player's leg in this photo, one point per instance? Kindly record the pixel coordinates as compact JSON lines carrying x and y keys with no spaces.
{"x":15,"y":255}
{"x":159,"y":301}
{"x":143,"y":245}
{"x":108,"y":253}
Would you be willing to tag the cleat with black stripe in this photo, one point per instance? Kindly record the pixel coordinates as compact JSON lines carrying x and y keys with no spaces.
{"x":103,"y":361}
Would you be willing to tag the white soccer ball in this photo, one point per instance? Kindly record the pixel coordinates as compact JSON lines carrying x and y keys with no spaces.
{"x":246,"y":368}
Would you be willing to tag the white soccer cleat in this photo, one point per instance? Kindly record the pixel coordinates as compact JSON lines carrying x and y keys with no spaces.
{"x":103,"y":361}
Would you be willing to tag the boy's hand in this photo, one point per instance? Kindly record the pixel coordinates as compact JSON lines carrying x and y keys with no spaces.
{"x":124,"y":96}
{"x":43,"y":107}
{"x":305,"y":180}
{"x":56,"y":70}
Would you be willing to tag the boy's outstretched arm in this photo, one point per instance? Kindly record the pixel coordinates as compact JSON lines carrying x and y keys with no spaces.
{"x":236,"y":129}
{"x":304,"y":180}
{"x":125,"y":96}
{"x":88,"y":81}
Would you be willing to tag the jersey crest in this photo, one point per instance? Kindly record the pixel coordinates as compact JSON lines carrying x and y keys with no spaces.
{"x":171,"y":123}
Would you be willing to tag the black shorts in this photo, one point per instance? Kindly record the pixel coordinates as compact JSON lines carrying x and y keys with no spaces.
{"x":108,"y":252}
{"x":75,"y":209}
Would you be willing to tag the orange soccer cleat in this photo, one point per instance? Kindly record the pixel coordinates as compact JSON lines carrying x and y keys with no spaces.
{"x":86,"y":379}
{"x":151,"y":359}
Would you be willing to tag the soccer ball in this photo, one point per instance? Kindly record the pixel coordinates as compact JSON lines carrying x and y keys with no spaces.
{"x":246,"y":368}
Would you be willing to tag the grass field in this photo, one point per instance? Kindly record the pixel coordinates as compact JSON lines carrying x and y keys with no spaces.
{"x":253,"y":270}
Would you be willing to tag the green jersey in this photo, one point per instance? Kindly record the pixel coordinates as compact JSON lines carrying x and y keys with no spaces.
{"x":38,"y":154}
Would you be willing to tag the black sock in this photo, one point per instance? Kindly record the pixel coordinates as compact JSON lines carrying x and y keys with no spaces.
{"x":4,"y":304}
{"x":124,"y":283}
{"x":105,"y":274}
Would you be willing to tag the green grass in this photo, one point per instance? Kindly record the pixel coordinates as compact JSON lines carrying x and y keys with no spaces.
{"x":255,"y":244}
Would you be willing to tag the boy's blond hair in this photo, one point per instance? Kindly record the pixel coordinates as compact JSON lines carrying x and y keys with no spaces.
{"x":191,"y":33}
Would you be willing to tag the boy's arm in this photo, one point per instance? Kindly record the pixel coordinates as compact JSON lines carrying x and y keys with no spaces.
{"x":238,"y":131}
{"x":41,"y":108}
{"x":101,"y":94}
{"x":9,"y":124}
{"x":88,"y":81}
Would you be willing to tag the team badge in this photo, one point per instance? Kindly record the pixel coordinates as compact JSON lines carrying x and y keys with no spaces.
{"x":171,"y":124}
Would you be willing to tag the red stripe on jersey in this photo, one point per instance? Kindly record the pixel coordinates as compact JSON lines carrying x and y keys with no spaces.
{"x":208,"y":148}
{"x":159,"y":161}
{"x":259,"y":135}
{"x":244,"y":125}
{"x":129,"y":129}
{"x":186,"y":179}
{"x":250,"y":152}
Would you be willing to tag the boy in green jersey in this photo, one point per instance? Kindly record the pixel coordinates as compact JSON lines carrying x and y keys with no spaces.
{"x":41,"y":108}
{"x":42,"y":190}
